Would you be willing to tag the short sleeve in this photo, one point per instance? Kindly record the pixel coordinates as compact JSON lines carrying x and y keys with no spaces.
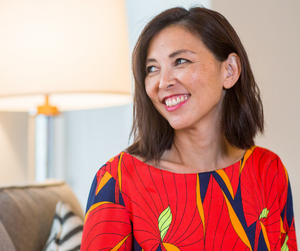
{"x":107,"y":225}
{"x":288,"y":234}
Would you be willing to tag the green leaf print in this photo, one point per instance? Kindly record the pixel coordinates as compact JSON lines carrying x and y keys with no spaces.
{"x":164,"y":222}
{"x":264,"y":213}
{"x":285,"y":246}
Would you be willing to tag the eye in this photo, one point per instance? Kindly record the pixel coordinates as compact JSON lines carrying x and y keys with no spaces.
{"x":150,"y":69}
{"x":179,"y":61}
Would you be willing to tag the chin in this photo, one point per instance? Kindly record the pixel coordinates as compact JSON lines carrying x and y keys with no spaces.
{"x":179,"y":126}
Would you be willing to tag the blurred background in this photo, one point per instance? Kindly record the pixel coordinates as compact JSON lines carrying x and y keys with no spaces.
{"x":83,"y":140}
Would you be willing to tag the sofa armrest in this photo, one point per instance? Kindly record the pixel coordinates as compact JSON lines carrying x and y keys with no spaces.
{"x":6,"y":243}
{"x":27,"y":211}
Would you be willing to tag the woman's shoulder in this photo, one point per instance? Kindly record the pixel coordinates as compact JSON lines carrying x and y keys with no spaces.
{"x":261,"y":152}
{"x":116,"y":164}
{"x":263,"y":160}
{"x":111,"y":166}
{"x":264,"y":155}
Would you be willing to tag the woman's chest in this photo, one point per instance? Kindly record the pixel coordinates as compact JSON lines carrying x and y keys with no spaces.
{"x":210,"y":211}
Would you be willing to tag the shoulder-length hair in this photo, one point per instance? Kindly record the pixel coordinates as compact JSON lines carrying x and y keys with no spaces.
{"x":242,"y":112}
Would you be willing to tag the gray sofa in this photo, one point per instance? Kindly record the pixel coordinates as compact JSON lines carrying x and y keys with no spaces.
{"x":27,"y":211}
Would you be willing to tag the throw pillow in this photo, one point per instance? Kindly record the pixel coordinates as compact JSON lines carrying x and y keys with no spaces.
{"x":66,"y":231}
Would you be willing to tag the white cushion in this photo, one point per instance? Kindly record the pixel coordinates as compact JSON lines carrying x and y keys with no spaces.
{"x":66,"y":231}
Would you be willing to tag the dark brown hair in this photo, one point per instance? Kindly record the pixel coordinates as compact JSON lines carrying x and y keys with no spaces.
{"x":242,"y":113}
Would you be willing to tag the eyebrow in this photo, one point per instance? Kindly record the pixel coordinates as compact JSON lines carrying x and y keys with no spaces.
{"x":173,"y":54}
{"x":149,"y":60}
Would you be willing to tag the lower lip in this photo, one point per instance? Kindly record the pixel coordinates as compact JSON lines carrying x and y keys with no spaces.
{"x":175,"y":107}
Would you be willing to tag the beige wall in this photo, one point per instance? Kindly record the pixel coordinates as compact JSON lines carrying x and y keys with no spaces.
{"x":270,"y":31}
{"x":13,"y":147}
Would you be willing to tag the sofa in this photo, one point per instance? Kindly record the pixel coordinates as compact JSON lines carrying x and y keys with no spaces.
{"x":27,"y":211}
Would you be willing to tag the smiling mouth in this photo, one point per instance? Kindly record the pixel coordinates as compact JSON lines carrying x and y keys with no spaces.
{"x":175,"y":100}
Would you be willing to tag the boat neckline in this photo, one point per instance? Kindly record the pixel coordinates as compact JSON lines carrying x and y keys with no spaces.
{"x":246,"y":155}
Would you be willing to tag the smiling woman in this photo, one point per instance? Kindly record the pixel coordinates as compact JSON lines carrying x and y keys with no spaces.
{"x":193,"y":178}
{"x":216,"y":36}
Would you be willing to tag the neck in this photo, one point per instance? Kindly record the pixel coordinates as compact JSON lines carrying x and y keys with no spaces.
{"x":200,"y":151}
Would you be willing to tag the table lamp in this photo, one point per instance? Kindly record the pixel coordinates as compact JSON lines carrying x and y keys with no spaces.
{"x":62,"y":55}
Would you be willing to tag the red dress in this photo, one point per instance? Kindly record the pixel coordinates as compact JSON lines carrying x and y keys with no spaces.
{"x":245,"y":206}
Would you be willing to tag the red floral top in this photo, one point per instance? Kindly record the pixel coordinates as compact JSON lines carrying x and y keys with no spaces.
{"x":245,"y":206}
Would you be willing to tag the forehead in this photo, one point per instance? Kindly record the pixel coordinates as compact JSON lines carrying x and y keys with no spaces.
{"x":172,"y":38}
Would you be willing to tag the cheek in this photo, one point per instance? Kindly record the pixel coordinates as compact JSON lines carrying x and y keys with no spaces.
{"x":193,"y":78}
{"x":149,"y":93}
{"x":151,"y":90}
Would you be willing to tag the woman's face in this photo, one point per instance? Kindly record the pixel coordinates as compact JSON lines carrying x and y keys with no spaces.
{"x":184,"y":80}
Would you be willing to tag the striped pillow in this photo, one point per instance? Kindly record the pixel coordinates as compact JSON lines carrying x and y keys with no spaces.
{"x":66,"y":231}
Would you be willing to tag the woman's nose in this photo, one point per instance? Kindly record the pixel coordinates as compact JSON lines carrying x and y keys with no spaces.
{"x":167,"y":80}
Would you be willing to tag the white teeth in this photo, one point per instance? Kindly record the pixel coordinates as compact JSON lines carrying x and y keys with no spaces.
{"x":175,"y":101}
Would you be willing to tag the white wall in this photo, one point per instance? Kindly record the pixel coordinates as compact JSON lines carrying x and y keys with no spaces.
{"x":270,"y":32}
{"x":91,"y":139}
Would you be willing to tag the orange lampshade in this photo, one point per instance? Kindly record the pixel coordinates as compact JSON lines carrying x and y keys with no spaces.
{"x":75,"y":51}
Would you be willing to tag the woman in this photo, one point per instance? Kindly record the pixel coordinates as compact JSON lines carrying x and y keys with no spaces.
{"x":192,"y":179}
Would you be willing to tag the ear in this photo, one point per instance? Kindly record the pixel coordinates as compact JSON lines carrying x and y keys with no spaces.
{"x":232,"y":70}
